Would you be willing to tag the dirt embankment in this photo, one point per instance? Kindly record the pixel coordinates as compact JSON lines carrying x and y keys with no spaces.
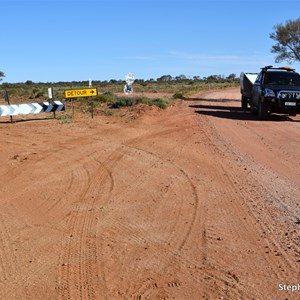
{"x":199,"y":201}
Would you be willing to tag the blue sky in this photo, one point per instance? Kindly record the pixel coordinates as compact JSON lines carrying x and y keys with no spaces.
{"x":51,"y":41}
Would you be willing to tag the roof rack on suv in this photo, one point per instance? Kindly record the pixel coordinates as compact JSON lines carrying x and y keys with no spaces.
{"x":267,"y":67}
{"x":286,"y":68}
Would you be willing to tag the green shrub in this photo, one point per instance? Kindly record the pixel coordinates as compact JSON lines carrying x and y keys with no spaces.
{"x":105,"y":97}
{"x":131,"y":101}
{"x":178,"y":96}
{"x":37,"y":93}
{"x":156,"y":101}
{"x":122,"y":102}
{"x":64,"y":119}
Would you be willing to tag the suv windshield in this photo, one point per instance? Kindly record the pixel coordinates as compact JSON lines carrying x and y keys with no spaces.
{"x":282,"y":78}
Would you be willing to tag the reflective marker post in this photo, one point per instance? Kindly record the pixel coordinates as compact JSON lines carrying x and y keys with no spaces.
{"x":51,"y":97}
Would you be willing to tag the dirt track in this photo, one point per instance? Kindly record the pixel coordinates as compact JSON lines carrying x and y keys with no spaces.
{"x":199,"y":201}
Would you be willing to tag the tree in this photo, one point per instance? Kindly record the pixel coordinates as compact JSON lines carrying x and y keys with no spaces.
{"x":29,"y":82}
{"x":288,"y":41}
{"x":1,"y":75}
{"x":231,"y":76}
{"x":180,"y":77}
{"x":165,"y":78}
{"x":215,"y":78}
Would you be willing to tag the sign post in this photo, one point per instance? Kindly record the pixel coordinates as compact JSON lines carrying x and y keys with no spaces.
{"x":6,"y":98}
{"x":78,"y":93}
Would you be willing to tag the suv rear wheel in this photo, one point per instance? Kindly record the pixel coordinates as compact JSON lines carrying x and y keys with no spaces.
{"x":244,"y":102}
{"x":253,"y":109}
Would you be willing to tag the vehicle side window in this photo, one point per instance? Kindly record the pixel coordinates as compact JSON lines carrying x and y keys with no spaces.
{"x":294,"y":79}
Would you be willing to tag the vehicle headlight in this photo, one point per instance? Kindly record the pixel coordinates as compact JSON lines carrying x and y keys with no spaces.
{"x":269,"y":93}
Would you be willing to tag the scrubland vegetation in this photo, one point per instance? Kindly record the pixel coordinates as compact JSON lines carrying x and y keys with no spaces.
{"x":110,"y":93}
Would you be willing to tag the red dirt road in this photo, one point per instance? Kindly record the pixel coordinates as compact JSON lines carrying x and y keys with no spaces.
{"x":199,"y":201}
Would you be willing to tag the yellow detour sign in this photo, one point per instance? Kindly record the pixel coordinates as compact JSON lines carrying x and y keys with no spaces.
{"x":81,"y":93}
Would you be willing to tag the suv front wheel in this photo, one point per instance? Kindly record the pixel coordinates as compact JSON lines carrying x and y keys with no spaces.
{"x":262,"y":111}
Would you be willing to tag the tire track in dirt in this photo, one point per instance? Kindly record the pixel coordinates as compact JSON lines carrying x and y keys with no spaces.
{"x":208,"y":273}
{"x":238,"y":226}
{"x":203,"y":275}
{"x":193,"y":219}
{"x":78,"y":260}
{"x":154,"y":162}
{"x":193,"y":190}
{"x":51,"y":212}
{"x":80,"y":276}
{"x":136,"y":144}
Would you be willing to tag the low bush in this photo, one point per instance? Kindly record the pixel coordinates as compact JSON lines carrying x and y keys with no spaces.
{"x":37,"y":93}
{"x":105,"y":97}
{"x":64,"y":119}
{"x":122,"y":102}
{"x":131,"y":101}
{"x":156,"y":101}
{"x":178,"y":96}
